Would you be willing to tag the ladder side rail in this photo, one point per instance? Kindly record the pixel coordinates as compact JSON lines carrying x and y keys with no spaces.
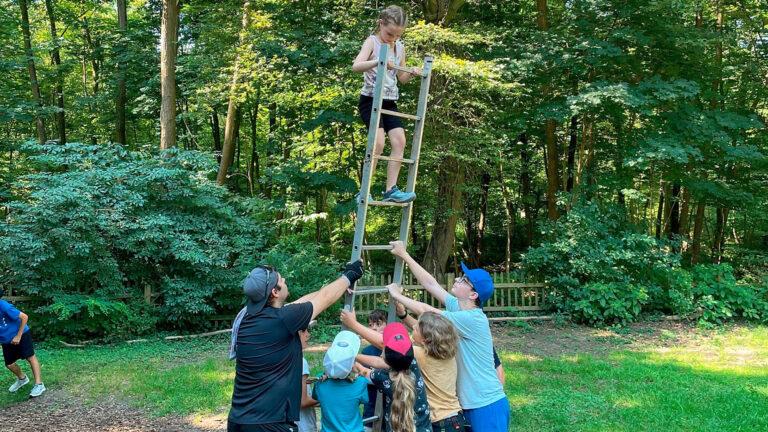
{"x":365,"y":181}
{"x":413,"y":170}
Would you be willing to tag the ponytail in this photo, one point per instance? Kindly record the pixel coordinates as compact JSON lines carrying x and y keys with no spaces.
{"x":402,"y":413}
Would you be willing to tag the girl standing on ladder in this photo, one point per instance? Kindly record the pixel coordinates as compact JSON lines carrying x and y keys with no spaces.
{"x":389,"y":27}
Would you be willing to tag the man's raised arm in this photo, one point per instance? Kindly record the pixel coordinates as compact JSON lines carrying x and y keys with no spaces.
{"x":332,"y":292}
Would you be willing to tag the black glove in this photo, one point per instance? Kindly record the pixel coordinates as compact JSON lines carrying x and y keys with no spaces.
{"x":353,"y":271}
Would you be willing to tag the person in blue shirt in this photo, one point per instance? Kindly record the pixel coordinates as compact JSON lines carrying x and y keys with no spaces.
{"x":479,"y":388}
{"x":17,"y":343}
{"x":341,"y":392}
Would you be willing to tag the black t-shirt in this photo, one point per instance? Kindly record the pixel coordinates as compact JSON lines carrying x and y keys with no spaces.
{"x":268,"y":369}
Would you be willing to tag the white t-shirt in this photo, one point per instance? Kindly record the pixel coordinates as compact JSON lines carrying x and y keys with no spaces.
{"x":307,"y":420}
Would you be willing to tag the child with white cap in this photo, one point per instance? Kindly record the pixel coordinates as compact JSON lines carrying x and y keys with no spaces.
{"x":342,"y":392}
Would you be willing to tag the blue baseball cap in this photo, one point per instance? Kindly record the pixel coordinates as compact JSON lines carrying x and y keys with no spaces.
{"x":481,"y":281}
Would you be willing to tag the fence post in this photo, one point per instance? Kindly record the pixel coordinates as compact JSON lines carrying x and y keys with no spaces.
{"x":148,"y":294}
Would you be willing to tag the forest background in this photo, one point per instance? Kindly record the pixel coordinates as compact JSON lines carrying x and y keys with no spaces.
{"x":613,"y":149}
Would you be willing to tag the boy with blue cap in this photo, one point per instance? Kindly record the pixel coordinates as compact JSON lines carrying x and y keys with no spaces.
{"x":480,"y":392}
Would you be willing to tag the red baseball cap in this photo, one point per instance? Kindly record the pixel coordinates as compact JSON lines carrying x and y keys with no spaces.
{"x":398,"y":350}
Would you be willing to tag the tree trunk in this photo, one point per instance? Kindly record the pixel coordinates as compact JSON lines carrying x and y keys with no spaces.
{"x":59,"y":88}
{"x":684,"y":213}
{"x":698,"y":225}
{"x":550,"y":142}
{"x":551,"y":167}
{"x":441,"y":243}
{"x":572,"y":152}
{"x":674,"y":213}
{"x":229,"y":128}
{"x":542,"y":15}
{"x":168,"y":42}
{"x":718,"y":243}
{"x":216,"y":133}
{"x":121,"y":98}
{"x":253,"y":167}
{"x":476,"y":214}
{"x":440,"y":247}
{"x":239,"y":121}
{"x":660,"y":211}
{"x":321,"y":206}
{"x":510,"y":214}
{"x":526,"y":196}
{"x":271,"y":143}
{"x":39,"y":121}
{"x":441,"y":11}
{"x":95,"y":65}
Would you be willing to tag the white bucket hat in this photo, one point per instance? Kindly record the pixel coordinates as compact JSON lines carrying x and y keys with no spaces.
{"x":340,"y":357}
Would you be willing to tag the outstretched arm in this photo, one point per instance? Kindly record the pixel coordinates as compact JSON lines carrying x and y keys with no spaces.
{"x":349,"y":319}
{"x":425,"y":279}
{"x":372,"y":361}
{"x":396,"y":292}
{"x":332,"y":292}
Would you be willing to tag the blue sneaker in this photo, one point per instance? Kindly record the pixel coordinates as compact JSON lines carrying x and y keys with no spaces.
{"x":398,"y":196}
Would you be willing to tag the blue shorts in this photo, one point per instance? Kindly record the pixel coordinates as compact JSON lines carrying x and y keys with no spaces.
{"x":490,"y":418}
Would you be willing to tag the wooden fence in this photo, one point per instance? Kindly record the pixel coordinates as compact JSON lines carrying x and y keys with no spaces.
{"x":508,"y":296}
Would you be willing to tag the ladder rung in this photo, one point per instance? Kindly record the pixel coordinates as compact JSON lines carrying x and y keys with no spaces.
{"x":388,"y":204}
{"x":373,"y":289}
{"x":377,"y":247}
{"x":389,"y":158}
{"x":406,"y":69}
{"x":399,"y":114}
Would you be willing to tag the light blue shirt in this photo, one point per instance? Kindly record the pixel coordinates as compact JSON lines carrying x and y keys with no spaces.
{"x":340,"y":402}
{"x":477,"y":384}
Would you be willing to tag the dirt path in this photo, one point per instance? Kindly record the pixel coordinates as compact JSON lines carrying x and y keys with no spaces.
{"x":58,"y":411}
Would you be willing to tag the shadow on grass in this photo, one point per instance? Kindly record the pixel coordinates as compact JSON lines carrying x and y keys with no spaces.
{"x":634,"y":391}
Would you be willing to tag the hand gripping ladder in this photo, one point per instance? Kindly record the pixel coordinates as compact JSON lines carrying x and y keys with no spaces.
{"x":365,"y":184}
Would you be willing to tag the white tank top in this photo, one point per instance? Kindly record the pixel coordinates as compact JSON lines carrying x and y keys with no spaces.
{"x":390,"y":91}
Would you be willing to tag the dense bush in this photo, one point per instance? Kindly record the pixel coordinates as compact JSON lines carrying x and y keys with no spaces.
{"x":602,"y":269}
{"x":719,"y":297}
{"x":92,"y":226}
{"x":604,"y":272}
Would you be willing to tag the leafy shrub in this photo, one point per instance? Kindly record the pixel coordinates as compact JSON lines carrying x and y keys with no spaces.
{"x":720,"y":297}
{"x":593,"y":250}
{"x":101,"y":222}
{"x":607,"y":303}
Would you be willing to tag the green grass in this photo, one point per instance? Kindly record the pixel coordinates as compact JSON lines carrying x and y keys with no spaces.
{"x":722,"y":386}
{"x":712,"y":384}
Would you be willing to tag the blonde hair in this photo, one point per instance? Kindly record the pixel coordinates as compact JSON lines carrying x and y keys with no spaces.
{"x":402,"y":414}
{"x":439,"y":335}
{"x":391,"y":15}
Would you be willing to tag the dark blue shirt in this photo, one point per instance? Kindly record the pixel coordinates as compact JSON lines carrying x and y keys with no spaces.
{"x":9,"y":322}
{"x":369,"y":409}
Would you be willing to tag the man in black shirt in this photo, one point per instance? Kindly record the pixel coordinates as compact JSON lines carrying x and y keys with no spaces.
{"x":267,"y":393}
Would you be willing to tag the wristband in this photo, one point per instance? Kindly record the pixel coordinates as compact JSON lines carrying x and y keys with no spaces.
{"x":405,"y":315}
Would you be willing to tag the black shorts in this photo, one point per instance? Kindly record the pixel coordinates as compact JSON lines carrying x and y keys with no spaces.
{"x":387,"y":122}
{"x":270,"y":427}
{"x":24,"y":350}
